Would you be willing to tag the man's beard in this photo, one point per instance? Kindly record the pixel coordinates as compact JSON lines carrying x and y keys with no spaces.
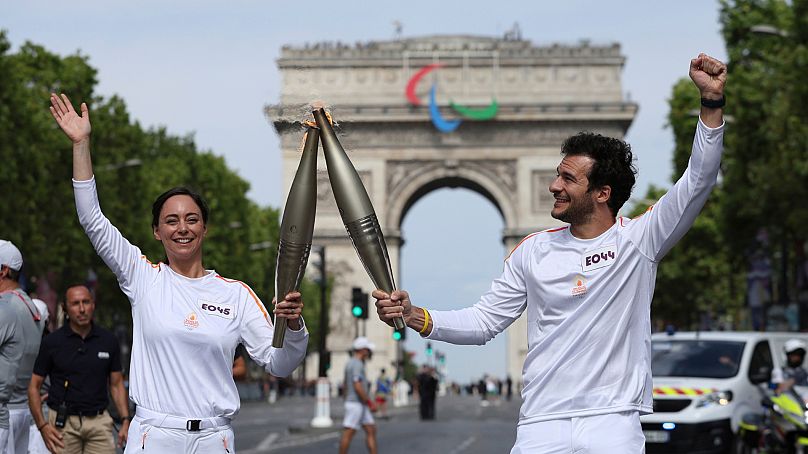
{"x":578,"y":211}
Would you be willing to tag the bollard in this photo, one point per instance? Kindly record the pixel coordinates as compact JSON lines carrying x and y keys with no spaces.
{"x":402,"y":393}
{"x":322,"y":412}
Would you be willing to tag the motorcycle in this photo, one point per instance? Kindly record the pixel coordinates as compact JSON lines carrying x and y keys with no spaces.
{"x":782,"y":428}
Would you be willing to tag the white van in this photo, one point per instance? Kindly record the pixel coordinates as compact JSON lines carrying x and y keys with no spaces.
{"x":704,"y":382}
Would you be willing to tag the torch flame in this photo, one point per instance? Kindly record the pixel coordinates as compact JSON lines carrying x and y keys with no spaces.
{"x":310,"y":123}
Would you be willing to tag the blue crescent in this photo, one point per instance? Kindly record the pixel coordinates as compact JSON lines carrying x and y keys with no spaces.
{"x":442,"y":124}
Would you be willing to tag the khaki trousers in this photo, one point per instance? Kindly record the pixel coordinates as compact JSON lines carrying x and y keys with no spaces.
{"x":86,"y":434}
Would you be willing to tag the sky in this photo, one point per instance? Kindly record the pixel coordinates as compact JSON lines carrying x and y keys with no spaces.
{"x":208,"y":68}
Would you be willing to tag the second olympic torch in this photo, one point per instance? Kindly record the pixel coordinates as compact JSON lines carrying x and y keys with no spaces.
{"x":297,"y":228}
{"x":356,"y":210}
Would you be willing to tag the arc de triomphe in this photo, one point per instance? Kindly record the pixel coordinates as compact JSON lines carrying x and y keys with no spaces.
{"x":532,"y":98}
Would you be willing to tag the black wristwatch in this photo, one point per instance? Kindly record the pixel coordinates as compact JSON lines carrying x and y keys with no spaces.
{"x":714,"y":103}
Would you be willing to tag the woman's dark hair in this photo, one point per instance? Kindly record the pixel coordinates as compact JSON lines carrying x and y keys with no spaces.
{"x":157,"y":206}
{"x":613,"y":164}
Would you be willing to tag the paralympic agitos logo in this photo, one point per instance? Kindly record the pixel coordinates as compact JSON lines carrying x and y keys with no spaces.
{"x":442,"y":124}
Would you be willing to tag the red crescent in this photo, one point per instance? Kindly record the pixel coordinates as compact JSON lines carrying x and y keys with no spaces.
{"x":410,"y":91}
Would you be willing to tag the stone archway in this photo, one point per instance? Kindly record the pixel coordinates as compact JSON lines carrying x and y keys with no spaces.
{"x":411,"y":180}
{"x":544,"y":95}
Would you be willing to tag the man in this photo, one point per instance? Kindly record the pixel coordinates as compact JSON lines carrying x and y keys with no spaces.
{"x":358,"y":406}
{"x":587,"y":288}
{"x":84,"y":364}
{"x":793,"y":374}
{"x":21,"y":326}
{"x":427,"y":392}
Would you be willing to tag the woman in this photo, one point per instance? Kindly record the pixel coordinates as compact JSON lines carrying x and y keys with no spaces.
{"x":187,"y":320}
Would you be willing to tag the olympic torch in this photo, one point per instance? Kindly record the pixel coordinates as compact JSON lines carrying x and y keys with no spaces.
{"x":297,"y":228}
{"x":356,"y":210}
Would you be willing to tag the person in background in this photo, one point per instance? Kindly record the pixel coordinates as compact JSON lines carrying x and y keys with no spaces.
{"x":427,"y":392}
{"x":359,"y":407}
{"x":794,"y":374}
{"x":383,"y":389}
{"x":83,"y":362}
{"x":21,"y":325}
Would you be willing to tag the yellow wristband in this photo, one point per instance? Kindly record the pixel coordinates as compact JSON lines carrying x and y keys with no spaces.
{"x":426,"y":320}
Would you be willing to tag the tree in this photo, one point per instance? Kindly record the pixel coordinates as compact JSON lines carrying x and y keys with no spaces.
{"x":764,"y":169}
{"x":767,"y":160}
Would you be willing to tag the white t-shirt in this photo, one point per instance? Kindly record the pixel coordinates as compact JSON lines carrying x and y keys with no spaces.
{"x":185,"y":330}
{"x":588,"y":302}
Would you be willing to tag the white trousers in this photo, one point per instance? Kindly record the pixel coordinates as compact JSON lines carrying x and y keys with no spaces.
{"x":357,"y":415}
{"x":19,"y":422}
{"x":614,"y":433}
{"x":144,"y":438}
{"x":36,"y":445}
{"x":4,"y":442}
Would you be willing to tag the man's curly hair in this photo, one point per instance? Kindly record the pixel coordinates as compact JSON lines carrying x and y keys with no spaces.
{"x":613,"y":164}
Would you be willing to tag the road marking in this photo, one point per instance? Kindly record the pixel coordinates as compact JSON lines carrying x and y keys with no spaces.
{"x":463,"y":446}
{"x":266,"y":443}
{"x":303,"y":441}
{"x":264,"y":446}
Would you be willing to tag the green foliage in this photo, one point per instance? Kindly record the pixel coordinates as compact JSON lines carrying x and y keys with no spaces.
{"x":766,"y":164}
{"x":764,"y":170}
{"x":132,"y":165}
{"x":695,"y":277}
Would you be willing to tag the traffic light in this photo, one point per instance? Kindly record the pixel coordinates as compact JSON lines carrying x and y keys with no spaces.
{"x":400,"y":334}
{"x":327,"y":359}
{"x":359,"y":303}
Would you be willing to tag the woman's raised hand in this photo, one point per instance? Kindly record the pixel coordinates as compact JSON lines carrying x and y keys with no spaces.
{"x":75,"y":126}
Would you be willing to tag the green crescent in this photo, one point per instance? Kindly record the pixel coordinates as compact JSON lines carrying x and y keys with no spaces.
{"x":484,"y":113}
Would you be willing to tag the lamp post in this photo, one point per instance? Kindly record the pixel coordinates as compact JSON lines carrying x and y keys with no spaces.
{"x":322,"y":410}
{"x":321,"y":347}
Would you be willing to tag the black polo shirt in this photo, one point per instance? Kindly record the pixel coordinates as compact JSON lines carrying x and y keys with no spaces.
{"x":85,"y":363}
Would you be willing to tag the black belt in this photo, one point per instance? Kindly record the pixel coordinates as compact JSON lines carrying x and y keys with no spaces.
{"x":82,"y":413}
{"x":87,"y":413}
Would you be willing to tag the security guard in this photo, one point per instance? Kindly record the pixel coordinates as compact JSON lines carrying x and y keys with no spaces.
{"x":84,"y":364}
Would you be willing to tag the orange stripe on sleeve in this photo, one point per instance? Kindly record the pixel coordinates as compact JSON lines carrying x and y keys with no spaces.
{"x":149,"y":262}
{"x":254,"y":297}
{"x":531,"y":236}
{"x":650,"y":207}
